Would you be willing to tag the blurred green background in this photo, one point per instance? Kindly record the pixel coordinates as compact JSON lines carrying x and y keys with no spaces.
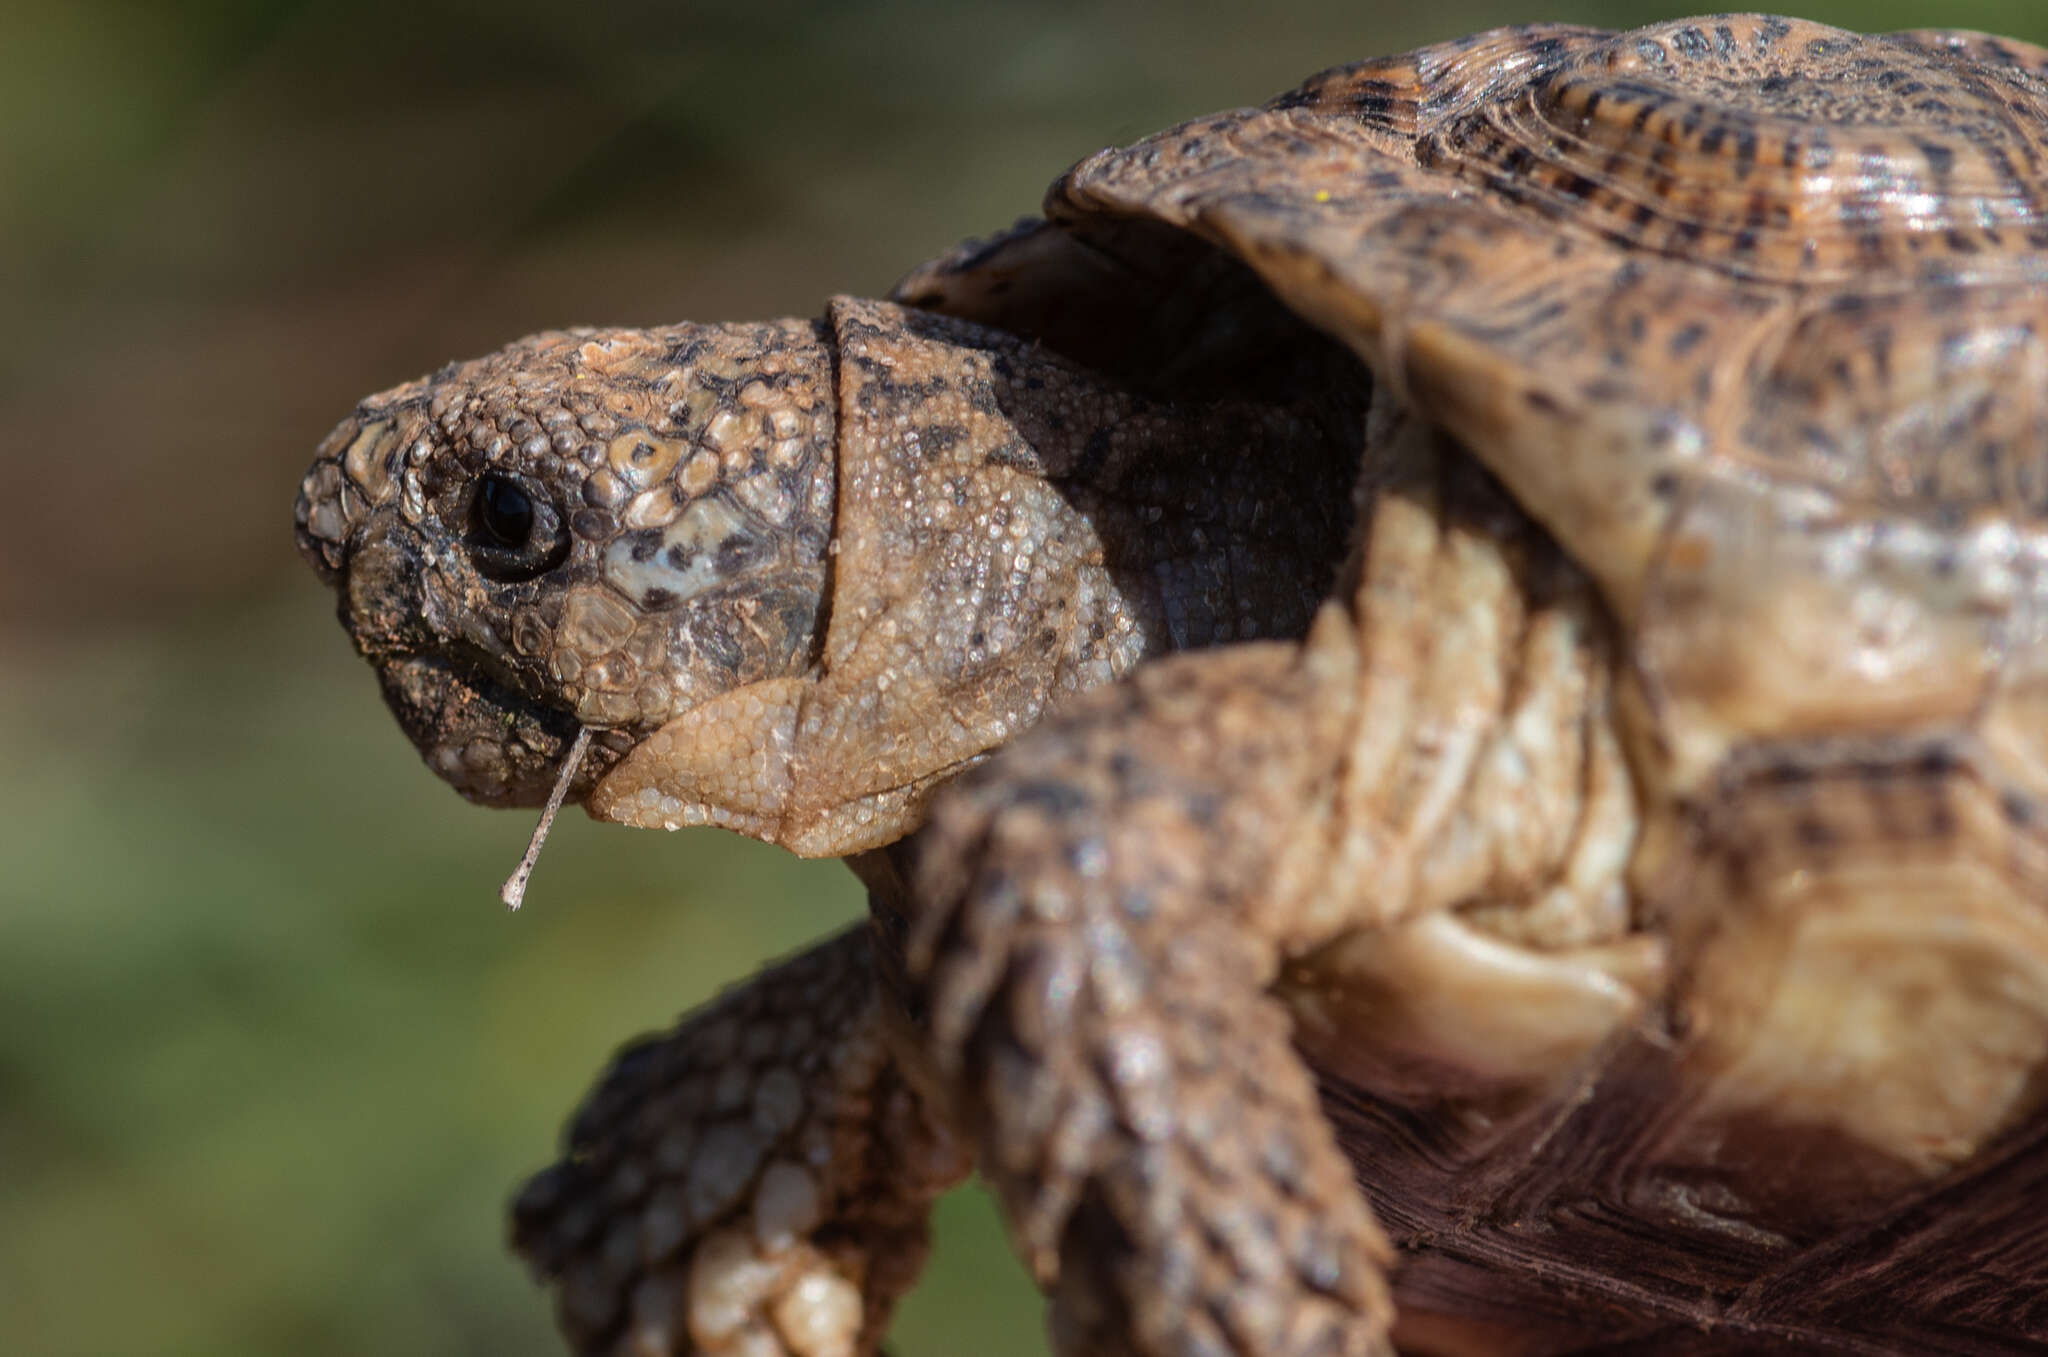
{"x":271,"y":1057}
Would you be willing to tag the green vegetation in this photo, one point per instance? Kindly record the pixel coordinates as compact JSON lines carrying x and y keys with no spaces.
{"x":271,"y":1059}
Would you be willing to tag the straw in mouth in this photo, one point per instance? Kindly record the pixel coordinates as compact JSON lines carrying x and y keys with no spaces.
{"x":514,"y":889}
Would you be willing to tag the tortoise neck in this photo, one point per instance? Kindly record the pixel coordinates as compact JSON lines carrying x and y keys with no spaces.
{"x":1046,"y":505}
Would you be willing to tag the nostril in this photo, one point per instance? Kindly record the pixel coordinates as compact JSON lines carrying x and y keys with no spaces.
{"x":356,"y":468}
{"x":321,"y":520}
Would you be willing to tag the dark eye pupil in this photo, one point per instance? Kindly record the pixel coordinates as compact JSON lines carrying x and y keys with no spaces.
{"x":515,"y":531}
{"x":504,"y":512}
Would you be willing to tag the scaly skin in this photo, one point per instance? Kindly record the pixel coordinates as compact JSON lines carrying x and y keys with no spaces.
{"x":757,"y":1181}
{"x":1105,"y":908}
{"x":796,"y":576}
{"x":1645,"y":838}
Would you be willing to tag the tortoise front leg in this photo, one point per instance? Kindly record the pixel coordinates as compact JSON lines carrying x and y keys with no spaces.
{"x":1102,"y":908}
{"x":1093,"y":972}
{"x":755,"y":1183}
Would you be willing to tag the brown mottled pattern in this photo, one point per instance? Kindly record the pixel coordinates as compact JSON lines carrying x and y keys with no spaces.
{"x":683,"y":1215}
{"x":989,"y":510}
{"x":1645,"y":841}
{"x":680,"y":470}
{"x":796,"y":576}
{"x":1098,"y":1003}
{"x":1771,"y":148}
{"x":1103,"y":908}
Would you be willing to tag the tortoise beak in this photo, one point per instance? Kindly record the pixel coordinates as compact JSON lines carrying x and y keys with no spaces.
{"x":491,"y":744}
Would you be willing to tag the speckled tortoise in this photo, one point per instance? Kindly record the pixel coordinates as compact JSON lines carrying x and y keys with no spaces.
{"x":1602,"y":479}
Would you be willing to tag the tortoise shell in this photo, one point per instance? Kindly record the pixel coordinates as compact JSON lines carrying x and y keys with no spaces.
{"x":1750,"y":316}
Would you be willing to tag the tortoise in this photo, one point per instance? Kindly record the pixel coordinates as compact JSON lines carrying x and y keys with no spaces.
{"x":1467,"y":654}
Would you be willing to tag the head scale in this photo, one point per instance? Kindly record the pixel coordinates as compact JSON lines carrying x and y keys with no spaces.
{"x":591,"y":528}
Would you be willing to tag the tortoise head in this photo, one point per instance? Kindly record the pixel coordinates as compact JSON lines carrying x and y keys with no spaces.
{"x":597,"y":529}
{"x":794,"y":577}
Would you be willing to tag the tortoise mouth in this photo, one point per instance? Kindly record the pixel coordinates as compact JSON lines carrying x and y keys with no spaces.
{"x":495,"y":746}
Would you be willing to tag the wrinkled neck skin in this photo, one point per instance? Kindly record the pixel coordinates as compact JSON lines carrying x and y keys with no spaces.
{"x":1010,"y":529}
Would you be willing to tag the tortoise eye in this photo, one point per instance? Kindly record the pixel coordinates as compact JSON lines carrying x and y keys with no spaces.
{"x":504,"y":512}
{"x":515,"y":533}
